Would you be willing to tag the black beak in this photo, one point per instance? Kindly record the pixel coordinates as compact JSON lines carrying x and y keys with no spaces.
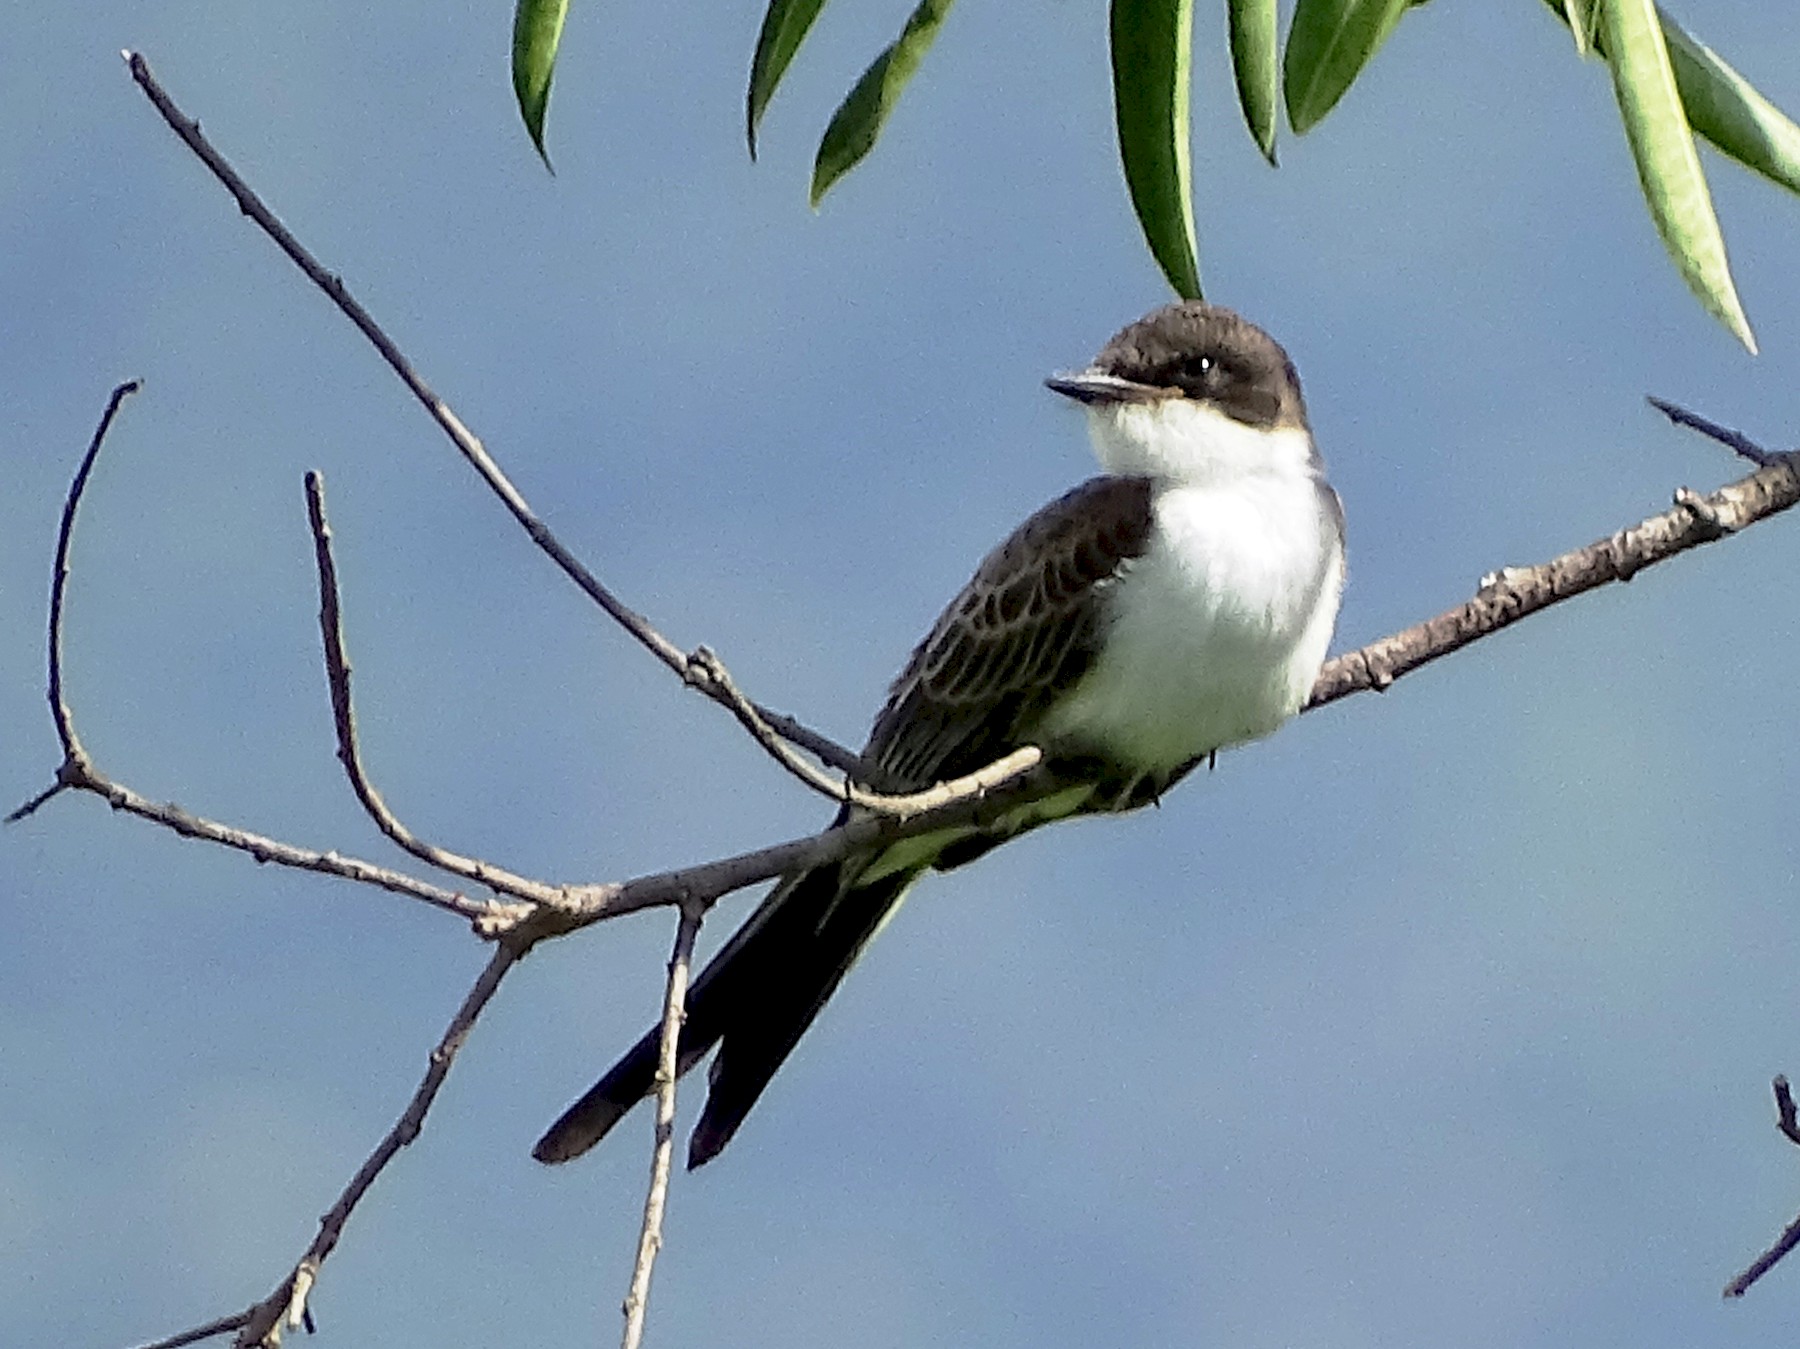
{"x":1096,"y":386}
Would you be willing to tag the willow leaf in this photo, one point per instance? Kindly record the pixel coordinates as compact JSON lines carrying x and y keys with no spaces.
{"x":537,"y":33}
{"x":1152,"y":49}
{"x":784,"y":27}
{"x":1667,"y":162}
{"x":1726,"y":109}
{"x":1256,"y":66}
{"x":1329,"y":42}
{"x":859,"y":118}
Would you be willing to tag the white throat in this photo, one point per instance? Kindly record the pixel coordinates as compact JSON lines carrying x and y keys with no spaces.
{"x":1184,"y":441}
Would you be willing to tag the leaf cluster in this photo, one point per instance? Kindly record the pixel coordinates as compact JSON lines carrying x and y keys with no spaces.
{"x":1669,"y":87}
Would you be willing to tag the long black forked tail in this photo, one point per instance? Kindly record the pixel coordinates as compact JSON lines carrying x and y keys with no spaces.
{"x":754,"y":1000}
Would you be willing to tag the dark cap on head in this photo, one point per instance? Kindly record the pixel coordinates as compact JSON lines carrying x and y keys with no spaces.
{"x":1199,"y":351}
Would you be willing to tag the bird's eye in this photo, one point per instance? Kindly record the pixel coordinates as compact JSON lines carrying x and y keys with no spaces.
{"x":1202,"y":370}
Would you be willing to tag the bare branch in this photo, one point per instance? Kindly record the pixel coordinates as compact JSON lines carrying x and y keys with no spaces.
{"x":979,"y":798}
{"x":692,"y":673}
{"x":549,"y":909}
{"x":73,"y":753}
{"x":483,"y":912}
{"x":637,"y":1299}
{"x":343,"y":715}
{"x":846,"y":789}
{"x":285,"y":1308}
{"x":1790,"y":1235}
{"x":1502,"y":601}
{"x":704,"y":667}
{"x":223,"y":1326}
{"x":1514,"y":593}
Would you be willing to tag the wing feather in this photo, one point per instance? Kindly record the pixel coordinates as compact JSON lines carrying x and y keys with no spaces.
{"x":1027,"y":625}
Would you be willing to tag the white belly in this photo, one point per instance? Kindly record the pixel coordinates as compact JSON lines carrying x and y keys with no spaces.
{"x":1217,"y":632}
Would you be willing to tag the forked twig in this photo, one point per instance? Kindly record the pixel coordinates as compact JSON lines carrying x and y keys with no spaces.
{"x":516,"y":927}
{"x":470,"y":447}
{"x":343,"y":716}
{"x":77,"y":768}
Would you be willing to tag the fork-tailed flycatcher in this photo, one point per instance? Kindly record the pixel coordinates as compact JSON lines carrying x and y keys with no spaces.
{"x":1176,"y":605}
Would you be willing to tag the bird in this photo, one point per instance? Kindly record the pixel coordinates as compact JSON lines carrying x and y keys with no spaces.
{"x":1178,"y":604}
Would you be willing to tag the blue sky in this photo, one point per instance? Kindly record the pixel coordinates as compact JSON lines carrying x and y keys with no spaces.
{"x":1445,"y":1017}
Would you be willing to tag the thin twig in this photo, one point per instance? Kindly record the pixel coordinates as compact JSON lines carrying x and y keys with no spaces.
{"x":59,"y":585}
{"x":343,"y":715}
{"x":1789,"y":1238}
{"x":706,"y":669}
{"x":1789,"y":1124}
{"x":1735,"y":441}
{"x":343,"y":712}
{"x":286,"y":1307}
{"x":73,"y":753}
{"x":486,"y":914}
{"x":637,"y":1298}
{"x":223,"y":1326}
{"x":465,"y":441}
{"x":1785,"y":1117}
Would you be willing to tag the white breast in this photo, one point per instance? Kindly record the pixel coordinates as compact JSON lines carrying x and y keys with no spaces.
{"x":1217,"y":633}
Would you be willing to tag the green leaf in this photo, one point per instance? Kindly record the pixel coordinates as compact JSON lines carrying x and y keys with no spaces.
{"x":1152,"y":48}
{"x":859,"y":118}
{"x":784,"y":27}
{"x":1723,"y":107}
{"x":1582,"y":16}
{"x":1329,"y":42}
{"x":537,"y":32}
{"x":1667,"y":162}
{"x":1255,"y":65}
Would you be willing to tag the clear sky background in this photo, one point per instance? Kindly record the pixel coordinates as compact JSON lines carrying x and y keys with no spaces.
{"x":1445,"y":1018}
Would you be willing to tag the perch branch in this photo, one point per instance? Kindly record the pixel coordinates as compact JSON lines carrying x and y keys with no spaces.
{"x":637,"y":1298}
{"x":1513,"y":593}
{"x":1503,"y":599}
{"x":982,"y":796}
{"x":694,"y":673}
